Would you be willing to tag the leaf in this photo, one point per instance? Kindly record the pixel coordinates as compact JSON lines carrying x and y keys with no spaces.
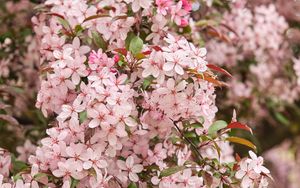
{"x":132,"y":185}
{"x":122,"y":51}
{"x":88,"y":134}
{"x":216,"y":126}
{"x":195,"y":125}
{"x":18,"y":166}
{"x":95,"y":17}
{"x":207,"y":77}
{"x":130,"y":36}
{"x":136,"y":45}
{"x":238,"y":125}
{"x":74,"y":183}
{"x":99,"y":41}
{"x":82,"y":116}
{"x":147,"y":82}
{"x":171,"y":170}
{"x":57,"y":15}
{"x":140,"y":56}
{"x":241,"y":141}
{"x":208,"y":179}
{"x":78,"y":29}
{"x":281,"y":118}
{"x":219,"y":69}
{"x":218,"y":149}
{"x":64,"y":23}
{"x":190,"y":135}
{"x":157,"y":48}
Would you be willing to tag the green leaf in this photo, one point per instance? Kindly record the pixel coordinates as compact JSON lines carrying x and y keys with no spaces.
{"x":147,"y":82}
{"x":64,"y":23}
{"x":195,"y":125}
{"x":132,"y":185}
{"x":74,"y":183}
{"x":242,"y":141}
{"x":171,"y":170}
{"x":18,"y":166}
{"x":216,"y":126}
{"x":136,"y":45}
{"x":82,"y":116}
{"x":130,"y":36}
{"x":99,"y":41}
{"x":190,"y":135}
{"x":39,"y":175}
{"x":78,"y":29}
{"x":281,"y":118}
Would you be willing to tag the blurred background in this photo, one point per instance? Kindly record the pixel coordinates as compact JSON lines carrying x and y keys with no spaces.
{"x":257,"y":41}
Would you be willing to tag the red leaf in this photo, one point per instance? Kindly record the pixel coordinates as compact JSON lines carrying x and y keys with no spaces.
{"x":122,"y":51}
{"x":157,"y":48}
{"x":147,"y":52}
{"x":238,"y":125}
{"x":237,"y":157}
{"x":219,"y":69}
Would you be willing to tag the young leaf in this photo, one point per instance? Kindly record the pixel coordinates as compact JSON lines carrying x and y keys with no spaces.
{"x":136,"y":45}
{"x":171,"y":170}
{"x":216,"y":126}
{"x":99,"y":41}
{"x":242,"y":141}
{"x":218,"y":69}
{"x":122,"y":51}
{"x":238,"y":125}
{"x":95,"y":17}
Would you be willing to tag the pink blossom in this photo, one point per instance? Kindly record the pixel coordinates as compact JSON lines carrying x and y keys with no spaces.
{"x":130,"y":168}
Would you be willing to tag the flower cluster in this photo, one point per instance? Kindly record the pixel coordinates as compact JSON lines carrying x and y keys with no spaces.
{"x":252,"y":172}
{"x":259,"y":56}
{"x":132,"y":102}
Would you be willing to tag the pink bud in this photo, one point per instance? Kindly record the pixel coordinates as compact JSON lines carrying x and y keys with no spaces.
{"x":183,"y":23}
{"x":116,"y":58}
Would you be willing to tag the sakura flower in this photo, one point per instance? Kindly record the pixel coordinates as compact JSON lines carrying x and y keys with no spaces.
{"x":178,"y":13}
{"x":154,"y":65}
{"x":256,"y":163}
{"x":158,"y":29}
{"x":26,"y":150}
{"x":138,"y":4}
{"x":189,"y":181}
{"x":68,"y":169}
{"x":129,"y":168}
{"x":163,"y":6}
{"x":62,"y":57}
{"x":176,"y":61}
{"x":101,"y":115}
{"x":77,"y":47}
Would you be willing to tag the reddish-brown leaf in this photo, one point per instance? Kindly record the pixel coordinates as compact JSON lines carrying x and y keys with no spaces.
{"x":238,"y":125}
{"x":148,"y":52}
{"x":122,"y":51}
{"x":218,"y":69}
{"x":95,"y":17}
{"x":57,"y":15}
{"x":216,"y":33}
{"x":156,"y":48}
